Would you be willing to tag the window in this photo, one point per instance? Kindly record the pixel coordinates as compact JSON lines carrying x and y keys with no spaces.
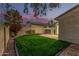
{"x":47,"y":31}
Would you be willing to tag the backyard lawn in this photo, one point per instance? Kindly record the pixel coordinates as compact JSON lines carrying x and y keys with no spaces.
{"x":36,"y":45}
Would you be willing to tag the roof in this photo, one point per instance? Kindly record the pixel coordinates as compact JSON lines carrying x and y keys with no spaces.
{"x":67,"y":11}
{"x":38,"y":21}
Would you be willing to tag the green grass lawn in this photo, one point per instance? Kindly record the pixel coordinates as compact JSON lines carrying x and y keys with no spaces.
{"x":35,"y":45}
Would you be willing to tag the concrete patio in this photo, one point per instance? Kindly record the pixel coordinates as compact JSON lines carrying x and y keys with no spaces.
{"x":71,"y":50}
{"x":50,"y":36}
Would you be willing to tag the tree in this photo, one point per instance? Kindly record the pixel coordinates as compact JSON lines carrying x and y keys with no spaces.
{"x":50,"y":22}
{"x":40,"y":8}
{"x":12,"y":19}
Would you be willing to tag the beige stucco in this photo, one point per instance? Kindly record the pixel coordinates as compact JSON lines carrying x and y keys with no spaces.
{"x":69,"y":26}
{"x":7,"y":34}
{"x":23,"y":30}
{"x":2,"y":37}
{"x":57,"y":28}
{"x":38,"y":28}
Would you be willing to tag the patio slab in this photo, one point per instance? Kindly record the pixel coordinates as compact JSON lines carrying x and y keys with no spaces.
{"x":11,"y":48}
{"x":50,"y":36}
{"x":71,"y":50}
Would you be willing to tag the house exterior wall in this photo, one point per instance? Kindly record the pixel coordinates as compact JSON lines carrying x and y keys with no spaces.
{"x":51,"y":29}
{"x":7,"y":34}
{"x":23,"y":30}
{"x":57,"y":29}
{"x":69,"y":26}
{"x":41,"y":29}
{"x":1,"y":39}
{"x":38,"y":29}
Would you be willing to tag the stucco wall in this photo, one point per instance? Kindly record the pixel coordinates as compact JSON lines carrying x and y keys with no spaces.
{"x":7,"y":34}
{"x":23,"y":30}
{"x":1,"y":39}
{"x":69,"y":26}
{"x":38,"y":28}
{"x":57,"y":28}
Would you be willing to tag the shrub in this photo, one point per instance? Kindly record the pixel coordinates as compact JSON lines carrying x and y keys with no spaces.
{"x":38,"y":45}
{"x":31,"y":32}
{"x":15,"y":28}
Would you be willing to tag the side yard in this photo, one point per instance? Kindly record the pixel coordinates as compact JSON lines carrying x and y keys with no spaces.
{"x":35,"y":45}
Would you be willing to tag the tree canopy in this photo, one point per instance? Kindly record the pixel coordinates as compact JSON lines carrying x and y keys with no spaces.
{"x":12,"y":17}
{"x":40,"y":8}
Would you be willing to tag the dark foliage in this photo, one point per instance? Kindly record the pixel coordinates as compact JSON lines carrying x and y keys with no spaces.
{"x":40,"y":8}
{"x":35,"y":45}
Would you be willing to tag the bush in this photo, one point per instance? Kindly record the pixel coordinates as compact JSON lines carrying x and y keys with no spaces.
{"x":28,"y":32}
{"x":14,"y":28}
{"x":35,"y":45}
{"x":31,"y":32}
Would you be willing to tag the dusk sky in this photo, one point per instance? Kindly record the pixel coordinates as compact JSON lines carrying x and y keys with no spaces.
{"x":50,"y":14}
